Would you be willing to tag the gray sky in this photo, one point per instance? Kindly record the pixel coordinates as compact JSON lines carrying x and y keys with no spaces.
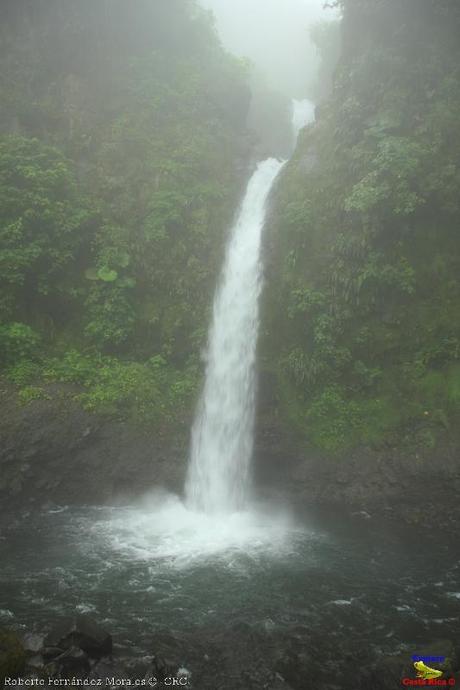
{"x":274,"y":35}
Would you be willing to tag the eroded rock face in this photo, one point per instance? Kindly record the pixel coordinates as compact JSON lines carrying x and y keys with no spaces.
{"x":419,"y":488}
{"x":53,"y":451}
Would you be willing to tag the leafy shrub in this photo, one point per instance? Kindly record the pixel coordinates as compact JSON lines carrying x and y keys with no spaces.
{"x":73,"y":367}
{"x":150,"y":393}
{"x":30,"y":393}
{"x":147,"y":392}
{"x":43,"y":221}
{"x":110,"y":315}
{"x":25,"y":371}
{"x":17,"y":341}
{"x":336,"y":422}
{"x":332,"y":420}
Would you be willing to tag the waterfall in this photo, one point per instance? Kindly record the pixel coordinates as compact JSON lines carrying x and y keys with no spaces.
{"x":217,"y":517}
{"x":222,"y":434}
{"x":218,"y":479}
{"x":303,"y":112}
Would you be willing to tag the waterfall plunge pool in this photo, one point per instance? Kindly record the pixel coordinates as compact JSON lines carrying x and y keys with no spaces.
{"x":333,"y":587}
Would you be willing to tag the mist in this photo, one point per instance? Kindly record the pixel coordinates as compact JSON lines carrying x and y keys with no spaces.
{"x":229,"y":344}
{"x":274,"y":35}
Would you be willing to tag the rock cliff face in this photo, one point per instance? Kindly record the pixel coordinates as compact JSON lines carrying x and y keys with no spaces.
{"x":53,"y":451}
{"x":360,"y":336}
{"x":419,"y":489}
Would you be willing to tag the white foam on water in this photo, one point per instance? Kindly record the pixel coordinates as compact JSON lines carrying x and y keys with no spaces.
{"x":167,"y":533}
{"x":6,"y":614}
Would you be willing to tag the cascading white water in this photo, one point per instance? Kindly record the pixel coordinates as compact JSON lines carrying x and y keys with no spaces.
{"x":303,"y":112}
{"x":214,"y":521}
{"x":222,"y":434}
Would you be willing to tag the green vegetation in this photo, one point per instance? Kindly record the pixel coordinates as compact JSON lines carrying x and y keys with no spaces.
{"x":43,"y":229}
{"x":362,"y":309}
{"x":122,"y":140}
{"x":121,"y":135}
{"x":149,"y":392}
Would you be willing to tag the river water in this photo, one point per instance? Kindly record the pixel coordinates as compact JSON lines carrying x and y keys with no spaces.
{"x":336,"y":586}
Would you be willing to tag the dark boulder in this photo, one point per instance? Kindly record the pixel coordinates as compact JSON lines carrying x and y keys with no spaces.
{"x":73,"y":663}
{"x":82,"y":632}
{"x":49,"y":653}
